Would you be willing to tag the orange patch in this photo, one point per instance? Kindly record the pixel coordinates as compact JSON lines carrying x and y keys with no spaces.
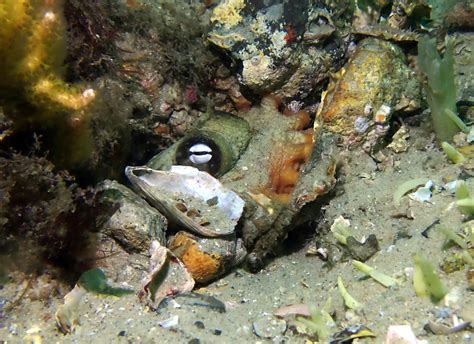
{"x":285,"y":166}
{"x":201,"y":265}
{"x":303,"y":118}
{"x":242,"y":104}
{"x":290,"y":36}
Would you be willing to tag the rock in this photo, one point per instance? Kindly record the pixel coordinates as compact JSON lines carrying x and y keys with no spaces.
{"x":135,"y":223}
{"x":279,"y":45}
{"x":375,"y":83}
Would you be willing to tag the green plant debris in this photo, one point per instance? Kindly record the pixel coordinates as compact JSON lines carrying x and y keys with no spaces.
{"x":349,"y":301}
{"x":341,"y":229}
{"x":425,"y":280}
{"x":464,"y":202}
{"x":95,"y":281}
{"x":407,"y":187}
{"x":462,"y":191}
{"x":452,"y":153}
{"x":468,"y":257}
{"x":319,"y":323}
{"x":461,"y":125}
{"x":466,"y":206}
{"x":341,"y":238}
{"x":380,"y":277}
{"x":440,"y":87}
{"x":452,"y":236}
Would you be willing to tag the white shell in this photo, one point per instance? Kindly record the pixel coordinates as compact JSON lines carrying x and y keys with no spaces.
{"x":192,"y":198}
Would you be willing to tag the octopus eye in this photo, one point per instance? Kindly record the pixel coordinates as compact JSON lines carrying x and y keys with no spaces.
{"x":215,"y":147}
{"x":200,"y":153}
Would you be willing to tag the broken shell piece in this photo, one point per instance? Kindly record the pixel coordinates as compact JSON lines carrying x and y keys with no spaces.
{"x":441,"y":329}
{"x":402,"y":334}
{"x":423,"y":194}
{"x":66,"y":316}
{"x":187,"y":188}
{"x":167,"y":276}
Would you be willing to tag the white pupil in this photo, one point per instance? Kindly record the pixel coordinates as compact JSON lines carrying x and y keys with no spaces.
{"x":200,"y":148}
{"x":200,"y":153}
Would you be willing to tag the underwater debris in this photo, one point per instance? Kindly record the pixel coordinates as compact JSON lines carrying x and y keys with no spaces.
{"x":402,"y":334}
{"x":349,"y":301}
{"x":441,"y":329}
{"x":167,"y":276}
{"x":406,"y":187}
{"x":268,"y":327}
{"x":425,"y":280}
{"x":319,"y":323}
{"x":464,"y":201}
{"x":225,"y":138}
{"x":452,"y":236}
{"x":452,"y":153}
{"x":361,"y":251}
{"x":340,"y":228}
{"x":93,"y":281}
{"x":378,"y":276}
{"x":350,"y":333}
{"x":423,"y":193}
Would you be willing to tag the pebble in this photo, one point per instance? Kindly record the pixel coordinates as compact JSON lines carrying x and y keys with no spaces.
{"x":170,"y":322}
{"x":199,"y":324}
{"x":268,"y":327}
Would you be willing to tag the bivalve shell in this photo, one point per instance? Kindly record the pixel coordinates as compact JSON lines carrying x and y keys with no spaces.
{"x":189,"y":197}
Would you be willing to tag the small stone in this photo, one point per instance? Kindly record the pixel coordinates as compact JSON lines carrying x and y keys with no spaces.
{"x":194,"y":341}
{"x":122,"y":333}
{"x":217,"y":332}
{"x":199,"y":324}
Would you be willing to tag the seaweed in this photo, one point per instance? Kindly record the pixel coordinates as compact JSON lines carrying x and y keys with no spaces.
{"x":440,"y":8}
{"x":440,"y":88}
{"x":45,"y":217}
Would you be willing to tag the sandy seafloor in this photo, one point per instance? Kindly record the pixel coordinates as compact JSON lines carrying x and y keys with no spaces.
{"x":365,"y":198}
